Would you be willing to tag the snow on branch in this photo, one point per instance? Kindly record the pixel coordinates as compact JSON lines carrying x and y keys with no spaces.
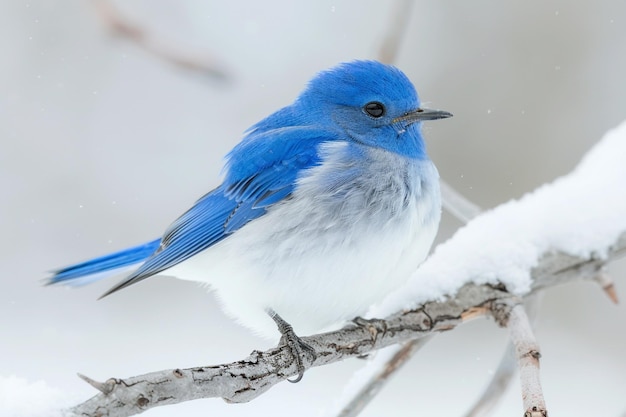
{"x":563,"y":231}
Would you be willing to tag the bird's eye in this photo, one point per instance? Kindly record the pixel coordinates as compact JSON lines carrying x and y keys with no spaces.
{"x":374,"y":109}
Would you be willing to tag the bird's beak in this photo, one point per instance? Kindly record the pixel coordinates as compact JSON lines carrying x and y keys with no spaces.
{"x":419,"y":115}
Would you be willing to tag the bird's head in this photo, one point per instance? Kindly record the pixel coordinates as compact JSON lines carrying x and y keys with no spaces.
{"x":372,"y":103}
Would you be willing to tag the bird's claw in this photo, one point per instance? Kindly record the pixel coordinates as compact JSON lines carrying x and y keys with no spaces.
{"x":298,"y":347}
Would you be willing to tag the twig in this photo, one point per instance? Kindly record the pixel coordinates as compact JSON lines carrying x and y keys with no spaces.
{"x":528,"y":354}
{"x":124,"y":27}
{"x":606,"y":282}
{"x":104,"y":387}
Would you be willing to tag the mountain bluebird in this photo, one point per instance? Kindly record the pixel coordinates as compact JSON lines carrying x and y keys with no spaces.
{"x":326,"y":206}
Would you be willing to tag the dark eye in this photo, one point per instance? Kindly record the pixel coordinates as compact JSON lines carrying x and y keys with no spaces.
{"x":374,"y":109}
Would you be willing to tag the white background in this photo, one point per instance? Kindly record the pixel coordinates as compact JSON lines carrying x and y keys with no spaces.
{"x":102,"y":145}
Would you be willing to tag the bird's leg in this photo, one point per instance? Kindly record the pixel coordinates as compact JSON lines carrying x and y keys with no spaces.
{"x":297,"y":346}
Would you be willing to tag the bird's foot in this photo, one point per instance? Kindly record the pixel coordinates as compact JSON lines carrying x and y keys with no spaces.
{"x":299,"y":348}
{"x":373,"y":326}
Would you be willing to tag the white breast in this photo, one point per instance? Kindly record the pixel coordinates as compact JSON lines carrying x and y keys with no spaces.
{"x":348,"y":236}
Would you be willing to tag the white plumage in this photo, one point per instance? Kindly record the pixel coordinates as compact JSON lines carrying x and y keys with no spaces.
{"x":346,"y":237}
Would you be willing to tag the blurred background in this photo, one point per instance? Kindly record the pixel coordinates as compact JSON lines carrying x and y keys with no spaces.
{"x":104,"y":140}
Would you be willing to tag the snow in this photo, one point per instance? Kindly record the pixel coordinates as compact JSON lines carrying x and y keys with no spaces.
{"x":580,"y":214}
{"x":20,"y":398}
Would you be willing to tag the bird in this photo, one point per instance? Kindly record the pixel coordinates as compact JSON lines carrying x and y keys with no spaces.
{"x":326,"y":206}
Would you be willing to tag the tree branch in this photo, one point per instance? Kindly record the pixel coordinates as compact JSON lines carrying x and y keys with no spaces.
{"x":527,"y":353}
{"x":244,"y":380}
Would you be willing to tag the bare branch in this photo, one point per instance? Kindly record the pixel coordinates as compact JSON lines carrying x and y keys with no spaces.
{"x":244,"y":380}
{"x":104,"y":387}
{"x":606,"y":282}
{"x":124,"y":27}
{"x":528,"y":354}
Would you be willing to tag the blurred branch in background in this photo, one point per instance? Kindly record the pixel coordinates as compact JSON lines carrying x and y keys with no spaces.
{"x":400,"y":355}
{"x":118,"y":24}
{"x":396,"y":29}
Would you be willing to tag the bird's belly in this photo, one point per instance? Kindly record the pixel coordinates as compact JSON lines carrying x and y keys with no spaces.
{"x":318,"y":260}
{"x":314,"y":278}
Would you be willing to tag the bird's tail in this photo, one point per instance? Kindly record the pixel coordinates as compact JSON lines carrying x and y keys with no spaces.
{"x":104,"y":266}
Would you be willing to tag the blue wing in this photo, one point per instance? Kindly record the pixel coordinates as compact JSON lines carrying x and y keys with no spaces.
{"x":261,"y":171}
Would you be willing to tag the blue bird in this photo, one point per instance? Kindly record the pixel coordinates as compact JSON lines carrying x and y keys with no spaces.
{"x":327,"y":205}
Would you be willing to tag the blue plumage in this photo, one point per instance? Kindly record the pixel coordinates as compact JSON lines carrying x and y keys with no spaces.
{"x":307,"y":196}
{"x":111,"y":262}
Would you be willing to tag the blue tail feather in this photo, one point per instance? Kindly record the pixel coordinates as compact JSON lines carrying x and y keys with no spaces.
{"x":102,"y":266}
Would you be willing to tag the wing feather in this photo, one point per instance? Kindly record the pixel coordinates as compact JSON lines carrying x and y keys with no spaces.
{"x":261,"y":171}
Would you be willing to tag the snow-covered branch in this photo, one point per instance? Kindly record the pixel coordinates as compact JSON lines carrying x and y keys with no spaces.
{"x":246,"y":379}
{"x":564,"y":231}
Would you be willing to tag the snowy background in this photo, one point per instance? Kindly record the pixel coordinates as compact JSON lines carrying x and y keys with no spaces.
{"x":102,"y":145}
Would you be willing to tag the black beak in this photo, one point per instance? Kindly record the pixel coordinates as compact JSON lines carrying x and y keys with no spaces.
{"x":419,"y":115}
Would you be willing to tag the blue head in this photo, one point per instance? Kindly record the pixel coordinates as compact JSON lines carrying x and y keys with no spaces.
{"x":371,"y":103}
